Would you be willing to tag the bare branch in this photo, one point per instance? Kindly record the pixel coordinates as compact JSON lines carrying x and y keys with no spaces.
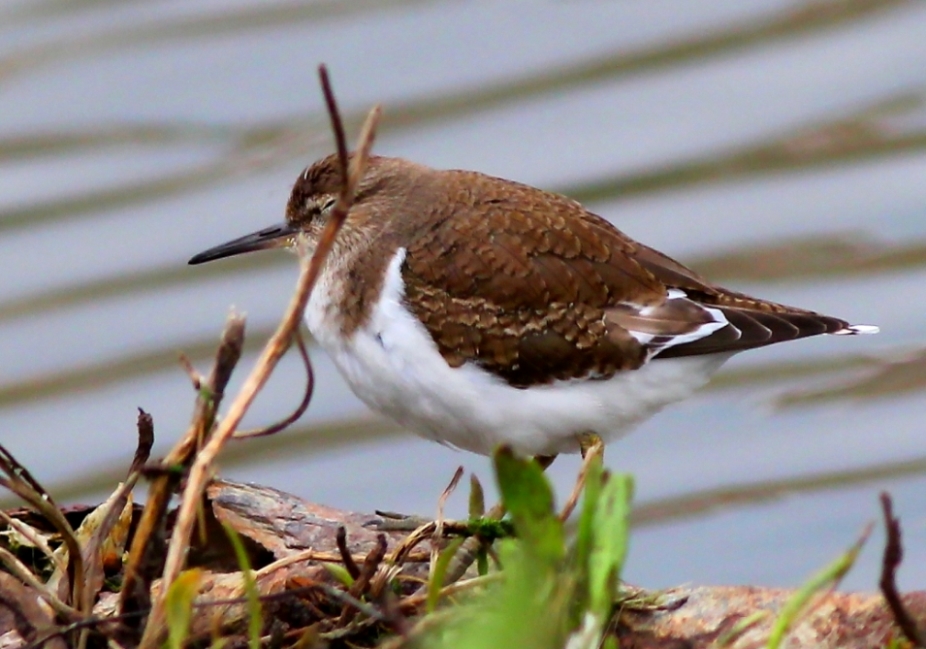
{"x":195,"y":377}
{"x":300,"y":409}
{"x":201,"y":469}
{"x":349,"y":564}
{"x":145,"y":426}
{"x":439,"y":521}
{"x":29,"y":489}
{"x":337,"y":125}
{"x":147,"y":544}
{"x":893,"y":555}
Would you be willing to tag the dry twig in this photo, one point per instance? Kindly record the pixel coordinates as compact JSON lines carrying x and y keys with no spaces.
{"x":326,"y":557}
{"x":271,"y":354}
{"x":300,"y":409}
{"x":28,"y":488}
{"x":436,"y":539}
{"x":595,"y":449}
{"x":147,"y":546}
{"x":362,"y":582}
{"x":349,"y":564}
{"x":893,"y":555}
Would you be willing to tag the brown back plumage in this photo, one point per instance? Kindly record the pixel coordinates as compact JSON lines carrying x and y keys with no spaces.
{"x":550,"y":291}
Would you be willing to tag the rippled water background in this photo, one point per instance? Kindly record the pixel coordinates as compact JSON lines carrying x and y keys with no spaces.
{"x":778,"y":147}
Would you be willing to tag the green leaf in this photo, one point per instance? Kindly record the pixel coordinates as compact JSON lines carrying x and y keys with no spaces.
{"x":610,"y":642}
{"x":436,"y":578}
{"x":477,"y":499}
{"x":179,"y":606}
{"x":482,"y":562}
{"x":528,"y":497}
{"x":527,"y":607}
{"x":255,"y":615}
{"x":798,"y":603}
{"x":609,"y":541}
{"x":585,"y":530}
{"x":340,"y":573}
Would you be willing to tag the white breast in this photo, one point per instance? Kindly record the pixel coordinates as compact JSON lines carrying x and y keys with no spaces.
{"x":393,"y":365}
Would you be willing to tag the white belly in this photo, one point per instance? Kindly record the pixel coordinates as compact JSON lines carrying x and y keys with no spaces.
{"x":393,"y":365}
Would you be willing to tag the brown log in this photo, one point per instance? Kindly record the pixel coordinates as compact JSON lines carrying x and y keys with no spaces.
{"x":278,"y":527}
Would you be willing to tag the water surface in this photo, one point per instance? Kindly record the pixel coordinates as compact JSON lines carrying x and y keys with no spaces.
{"x":779,"y":147}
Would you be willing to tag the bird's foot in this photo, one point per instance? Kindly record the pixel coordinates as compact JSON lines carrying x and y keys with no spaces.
{"x":590,"y":442}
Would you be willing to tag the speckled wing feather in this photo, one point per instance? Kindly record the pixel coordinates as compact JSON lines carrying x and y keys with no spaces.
{"x":550,"y":291}
{"x":751,"y":322}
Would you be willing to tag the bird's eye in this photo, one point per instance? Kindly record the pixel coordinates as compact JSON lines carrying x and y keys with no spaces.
{"x":314,"y":206}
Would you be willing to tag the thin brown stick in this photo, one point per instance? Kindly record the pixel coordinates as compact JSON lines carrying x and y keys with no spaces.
{"x":29,"y":489}
{"x":411,"y":603}
{"x":326,"y":557}
{"x":349,"y":564}
{"x":337,"y":124}
{"x":145,"y":426}
{"x":271,"y":354}
{"x":16,"y":568}
{"x":300,"y":409}
{"x":196,"y":378}
{"x":147,"y":544}
{"x":362,"y":582}
{"x":439,"y":521}
{"x":594,"y":450}
{"x":893,"y":555}
{"x":467,"y":553}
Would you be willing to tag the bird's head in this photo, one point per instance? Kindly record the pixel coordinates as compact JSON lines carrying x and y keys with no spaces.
{"x":310,"y":202}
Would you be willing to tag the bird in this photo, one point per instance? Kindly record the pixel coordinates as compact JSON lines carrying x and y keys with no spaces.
{"x":477,"y":311}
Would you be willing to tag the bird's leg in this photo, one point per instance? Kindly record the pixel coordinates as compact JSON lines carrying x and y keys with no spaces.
{"x":591,"y":446}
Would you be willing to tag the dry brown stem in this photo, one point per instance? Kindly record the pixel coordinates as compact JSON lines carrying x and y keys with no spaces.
{"x":436,"y":541}
{"x":369,"y":567}
{"x":16,"y":568}
{"x":349,"y":564}
{"x":201,"y":469}
{"x":21,"y":482}
{"x":300,"y":409}
{"x":594,"y":450}
{"x":893,"y":555}
{"x":28,"y":617}
{"x":147,"y":547}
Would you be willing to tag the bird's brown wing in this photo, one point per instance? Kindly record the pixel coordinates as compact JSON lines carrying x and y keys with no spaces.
{"x":544,"y":290}
{"x":752,"y":322}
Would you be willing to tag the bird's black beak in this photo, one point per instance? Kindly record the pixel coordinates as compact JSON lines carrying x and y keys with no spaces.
{"x":272,"y":237}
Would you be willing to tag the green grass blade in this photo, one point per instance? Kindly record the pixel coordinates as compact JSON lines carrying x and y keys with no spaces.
{"x":798,"y":603}
{"x":340,"y":574}
{"x":528,"y":497}
{"x":255,"y":615}
{"x":609,"y":542}
{"x":179,"y":606}
{"x":436,"y":578}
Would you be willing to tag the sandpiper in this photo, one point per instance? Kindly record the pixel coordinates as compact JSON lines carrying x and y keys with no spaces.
{"x":478,"y":311}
